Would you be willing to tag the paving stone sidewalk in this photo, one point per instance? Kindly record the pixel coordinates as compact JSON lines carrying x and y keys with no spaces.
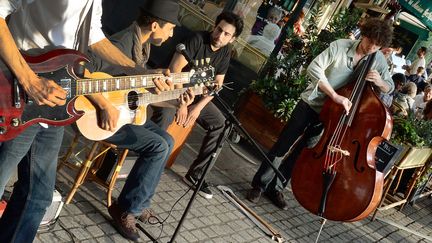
{"x":217,"y":220}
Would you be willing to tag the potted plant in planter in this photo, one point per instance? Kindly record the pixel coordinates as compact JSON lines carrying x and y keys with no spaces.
{"x":271,"y":99}
{"x":416,"y":138}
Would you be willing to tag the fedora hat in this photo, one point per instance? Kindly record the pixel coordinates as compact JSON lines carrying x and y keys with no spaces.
{"x":162,"y":9}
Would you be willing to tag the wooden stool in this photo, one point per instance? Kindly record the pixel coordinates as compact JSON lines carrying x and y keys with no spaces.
{"x":180,"y":134}
{"x":92,"y":164}
{"x":413,"y":158}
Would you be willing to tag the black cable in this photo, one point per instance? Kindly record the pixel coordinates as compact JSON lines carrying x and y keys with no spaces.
{"x":161,"y":222}
{"x":67,"y":231}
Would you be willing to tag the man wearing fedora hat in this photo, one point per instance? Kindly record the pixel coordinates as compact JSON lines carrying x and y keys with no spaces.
{"x":153,"y":26}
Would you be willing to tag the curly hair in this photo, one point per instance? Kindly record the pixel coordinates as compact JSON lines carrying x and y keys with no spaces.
{"x":232,"y":19}
{"x":379,"y":31}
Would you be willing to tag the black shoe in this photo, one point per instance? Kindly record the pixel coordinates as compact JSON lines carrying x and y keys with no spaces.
{"x":278,"y":199}
{"x":254,"y":195}
{"x":124,"y":222}
{"x":204,"y":190}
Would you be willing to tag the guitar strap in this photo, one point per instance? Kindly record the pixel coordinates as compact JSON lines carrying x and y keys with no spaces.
{"x":84,"y":34}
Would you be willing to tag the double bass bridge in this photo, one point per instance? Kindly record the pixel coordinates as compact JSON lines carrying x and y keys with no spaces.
{"x":334,"y":149}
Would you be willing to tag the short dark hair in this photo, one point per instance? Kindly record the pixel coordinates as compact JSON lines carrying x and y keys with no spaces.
{"x":399,"y":78}
{"x":145,"y":20}
{"x":233,"y":19}
{"x":379,"y":31}
{"x":423,"y":49}
{"x":428,"y":108}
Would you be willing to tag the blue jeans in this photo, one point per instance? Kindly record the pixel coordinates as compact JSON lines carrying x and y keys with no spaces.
{"x":35,"y":152}
{"x":154,"y":146}
{"x":301,"y":119}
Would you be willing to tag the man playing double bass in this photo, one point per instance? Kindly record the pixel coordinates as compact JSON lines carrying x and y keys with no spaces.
{"x":329,"y":71}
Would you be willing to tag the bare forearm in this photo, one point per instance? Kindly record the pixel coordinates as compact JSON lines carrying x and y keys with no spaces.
{"x":99,"y":100}
{"x":327,"y":89}
{"x":110,"y":53}
{"x":11,"y":56}
{"x":204,"y":101}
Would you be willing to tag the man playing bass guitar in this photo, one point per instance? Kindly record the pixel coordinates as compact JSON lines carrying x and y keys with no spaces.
{"x":329,"y":71}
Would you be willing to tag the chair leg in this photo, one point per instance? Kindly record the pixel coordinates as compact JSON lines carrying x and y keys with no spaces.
{"x":114,"y":176}
{"x":83,"y":172}
{"x":417,"y":173}
{"x":387,"y":186}
{"x":69,"y":152}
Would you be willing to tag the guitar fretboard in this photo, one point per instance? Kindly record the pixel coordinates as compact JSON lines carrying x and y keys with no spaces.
{"x":91,"y":86}
{"x":148,"y":98}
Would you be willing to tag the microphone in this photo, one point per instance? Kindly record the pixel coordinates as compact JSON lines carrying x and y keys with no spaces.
{"x":181,"y":48}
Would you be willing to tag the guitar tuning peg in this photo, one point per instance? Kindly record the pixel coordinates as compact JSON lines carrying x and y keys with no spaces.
{"x":202,"y":62}
{"x":196,"y":63}
{"x":207,"y":60}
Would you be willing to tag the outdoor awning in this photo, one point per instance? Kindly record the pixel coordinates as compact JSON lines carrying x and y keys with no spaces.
{"x":421,"y":9}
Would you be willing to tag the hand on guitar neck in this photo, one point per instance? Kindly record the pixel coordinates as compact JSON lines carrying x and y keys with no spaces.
{"x":102,"y":119}
{"x":108,"y":114}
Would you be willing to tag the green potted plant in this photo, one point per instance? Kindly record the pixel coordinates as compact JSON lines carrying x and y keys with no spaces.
{"x":276,"y":94}
{"x":416,"y":138}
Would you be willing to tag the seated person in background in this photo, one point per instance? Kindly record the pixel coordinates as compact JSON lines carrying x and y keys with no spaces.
{"x":389,"y":52}
{"x":399,"y":81}
{"x":403,"y":101}
{"x":418,"y":79}
{"x":427,"y":111}
{"x":421,"y":99}
{"x":265,"y":43}
{"x":419,"y":62}
{"x":273,"y":16}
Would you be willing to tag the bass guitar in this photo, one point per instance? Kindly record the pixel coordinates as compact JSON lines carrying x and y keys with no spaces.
{"x":18,"y":111}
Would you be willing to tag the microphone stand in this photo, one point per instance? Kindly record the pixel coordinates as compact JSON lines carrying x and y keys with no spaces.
{"x":230,"y":122}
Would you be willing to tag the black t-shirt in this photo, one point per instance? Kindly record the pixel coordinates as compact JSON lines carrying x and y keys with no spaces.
{"x":198,"y":47}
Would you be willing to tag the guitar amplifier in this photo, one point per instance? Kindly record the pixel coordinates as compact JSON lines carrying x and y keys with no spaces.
{"x":52,"y":213}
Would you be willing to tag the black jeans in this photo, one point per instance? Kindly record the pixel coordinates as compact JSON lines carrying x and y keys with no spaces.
{"x":302,"y":118}
{"x":210,"y":118}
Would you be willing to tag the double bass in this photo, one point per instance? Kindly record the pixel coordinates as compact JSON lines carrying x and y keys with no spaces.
{"x":337,"y":178}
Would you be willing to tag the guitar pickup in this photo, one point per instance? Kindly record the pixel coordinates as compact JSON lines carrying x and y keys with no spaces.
{"x":16,"y":94}
{"x":65,"y":83}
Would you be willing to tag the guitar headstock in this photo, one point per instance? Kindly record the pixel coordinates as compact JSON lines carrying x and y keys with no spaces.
{"x":202,"y":72}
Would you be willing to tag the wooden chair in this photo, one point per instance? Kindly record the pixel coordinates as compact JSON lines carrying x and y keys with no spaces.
{"x":414,"y":158}
{"x":92,"y":164}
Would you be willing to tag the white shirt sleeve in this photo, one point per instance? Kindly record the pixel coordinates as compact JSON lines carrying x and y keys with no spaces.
{"x":8,"y":6}
{"x":96,"y":33}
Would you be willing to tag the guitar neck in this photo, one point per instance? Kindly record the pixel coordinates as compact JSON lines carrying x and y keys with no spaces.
{"x":91,"y":86}
{"x":149,"y":98}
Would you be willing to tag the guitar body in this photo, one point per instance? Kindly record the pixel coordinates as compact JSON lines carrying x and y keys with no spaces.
{"x":17,"y":111}
{"x":124,"y":101}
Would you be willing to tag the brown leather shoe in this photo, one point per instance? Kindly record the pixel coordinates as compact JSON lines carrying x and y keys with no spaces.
{"x":254,"y":195}
{"x":278,"y":199}
{"x":124,"y":222}
{"x":146,"y":215}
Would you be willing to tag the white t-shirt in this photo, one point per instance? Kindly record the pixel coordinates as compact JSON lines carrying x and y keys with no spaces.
{"x":49,"y":24}
{"x":419,"y":62}
{"x":419,"y":105}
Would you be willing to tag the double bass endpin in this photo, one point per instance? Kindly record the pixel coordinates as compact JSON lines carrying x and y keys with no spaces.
{"x":338,"y":150}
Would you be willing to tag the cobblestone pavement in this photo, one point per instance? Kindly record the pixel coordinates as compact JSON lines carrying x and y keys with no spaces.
{"x":86,"y":218}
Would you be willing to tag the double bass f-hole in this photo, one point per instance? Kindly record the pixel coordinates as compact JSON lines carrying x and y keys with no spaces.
{"x":356,"y":156}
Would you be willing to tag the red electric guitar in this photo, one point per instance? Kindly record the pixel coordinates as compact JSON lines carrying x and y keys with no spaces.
{"x":18,"y":111}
